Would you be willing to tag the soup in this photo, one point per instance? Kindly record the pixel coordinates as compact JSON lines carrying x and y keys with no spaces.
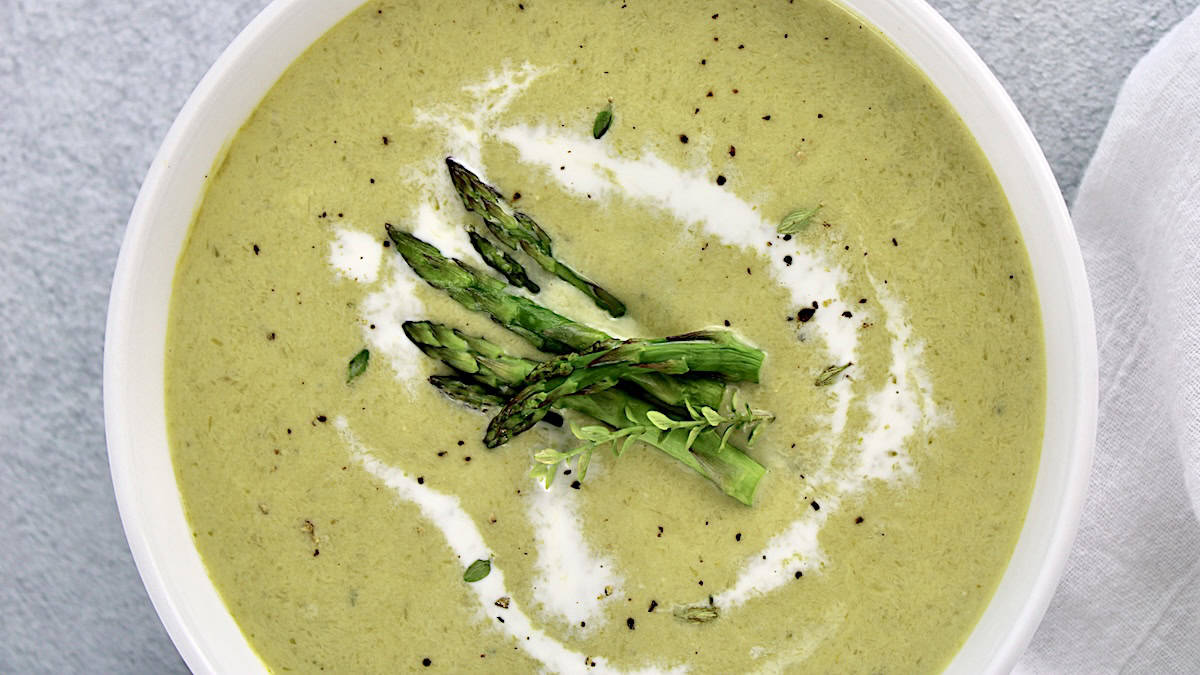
{"x":352,"y":517}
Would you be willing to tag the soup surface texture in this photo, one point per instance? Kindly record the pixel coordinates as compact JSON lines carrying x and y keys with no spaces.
{"x":337,"y":517}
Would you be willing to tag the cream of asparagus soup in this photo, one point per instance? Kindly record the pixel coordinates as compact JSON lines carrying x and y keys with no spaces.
{"x":604,"y":336}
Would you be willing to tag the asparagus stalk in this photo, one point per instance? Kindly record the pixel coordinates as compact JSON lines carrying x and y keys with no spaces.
{"x":717,"y":353}
{"x":501,"y":262}
{"x":541,"y":327}
{"x":478,"y":396}
{"x":724,"y":464}
{"x":517,"y":230}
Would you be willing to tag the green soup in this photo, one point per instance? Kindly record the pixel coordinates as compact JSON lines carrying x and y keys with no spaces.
{"x":337,"y":517}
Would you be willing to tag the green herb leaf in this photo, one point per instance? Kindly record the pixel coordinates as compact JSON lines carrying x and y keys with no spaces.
{"x":603,"y":121}
{"x":697,"y":614}
{"x":550,"y":456}
{"x":691,"y":439}
{"x":711,"y":416}
{"x":477,"y":570}
{"x":358,"y":365}
{"x":797,"y":220}
{"x":659,"y":420}
{"x":594,"y":434}
{"x":581,"y":466}
{"x":544,"y":473}
{"x":830,"y":374}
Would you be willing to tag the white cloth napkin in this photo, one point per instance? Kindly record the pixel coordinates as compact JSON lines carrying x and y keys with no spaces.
{"x":1130,"y":598}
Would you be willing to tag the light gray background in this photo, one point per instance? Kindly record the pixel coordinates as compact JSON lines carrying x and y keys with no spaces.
{"x":87,"y":91}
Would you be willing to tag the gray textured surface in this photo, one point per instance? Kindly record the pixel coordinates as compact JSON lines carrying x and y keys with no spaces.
{"x":87,"y":91}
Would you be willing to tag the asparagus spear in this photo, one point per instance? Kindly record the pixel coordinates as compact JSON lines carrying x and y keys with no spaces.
{"x":716,"y":352}
{"x":705,"y":453}
{"x":478,"y":396}
{"x":544,"y":329}
{"x":501,"y":262}
{"x":517,"y":230}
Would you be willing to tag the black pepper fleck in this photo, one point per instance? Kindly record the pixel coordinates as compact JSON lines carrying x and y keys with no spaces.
{"x":798,"y":574}
{"x":767,"y":118}
{"x":256,"y":249}
{"x":737,"y":537}
{"x":894,"y":242}
{"x":653,"y":604}
{"x":727,"y":324}
{"x":322,"y":418}
{"x":385,"y":140}
{"x":787,"y":260}
{"x":805,"y":315}
{"x":516,"y":196}
{"x":372,"y":181}
{"x":815,"y":505}
{"x":732,"y":151}
{"x":426,"y":662}
{"x":858,"y":520}
{"x":720,"y":180}
{"x":847,"y":314}
{"x":820,"y":116}
{"x":629,"y":622}
{"x":683,"y":138}
{"x":387,"y":243}
{"x":576,"y":485}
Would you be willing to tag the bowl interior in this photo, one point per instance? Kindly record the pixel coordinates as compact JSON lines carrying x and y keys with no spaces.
{"x":152,"y":512}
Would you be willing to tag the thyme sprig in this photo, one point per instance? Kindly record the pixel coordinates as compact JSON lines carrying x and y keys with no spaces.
{"x":740,"y":417}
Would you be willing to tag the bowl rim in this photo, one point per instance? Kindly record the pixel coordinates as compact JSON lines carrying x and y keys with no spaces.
{"x":289,"y":27}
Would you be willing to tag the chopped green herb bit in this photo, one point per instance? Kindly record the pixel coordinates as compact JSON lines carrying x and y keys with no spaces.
{"x":358,"y":365}
{"x":477,"y":570}
{"x":830,"y":375}
{"x":797,"y":220}
{"x":697,"y":614}
{"x":603,"y":121}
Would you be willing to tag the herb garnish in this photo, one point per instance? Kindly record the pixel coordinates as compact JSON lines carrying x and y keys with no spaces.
{"x":358,"y":365}
{"x":697,"y":613}
{"x":477,"y":570}
{"x":830,"y":374}
{"x":603,"y":121}
{"x":797,"y":220}
{"x":653,"y":425}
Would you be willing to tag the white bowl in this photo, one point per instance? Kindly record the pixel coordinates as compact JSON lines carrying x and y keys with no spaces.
{"x":152,"y":512}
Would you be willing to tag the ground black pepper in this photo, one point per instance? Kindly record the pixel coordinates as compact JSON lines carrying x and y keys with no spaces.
{"x":683,"y":138}
{"x":653,"y":604}
{"x":815,"y":505}
{"x":720,"y":180}
{"x":787,"y":260}
{"x":858,"y":520}
{"x":805,"y":315}
{"x":576,"y":485}
{"x":629,"y":622}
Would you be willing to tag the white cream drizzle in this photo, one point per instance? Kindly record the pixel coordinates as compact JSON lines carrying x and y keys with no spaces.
{"x":446,"y":513}
{"x":895,"y":411}
{"x":355,"y":255}
{"x":571,"y":579}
